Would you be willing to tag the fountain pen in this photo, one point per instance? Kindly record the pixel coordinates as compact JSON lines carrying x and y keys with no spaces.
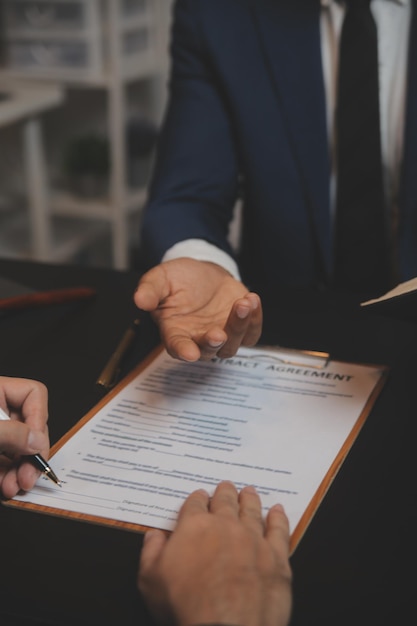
{"x":36,"y":459}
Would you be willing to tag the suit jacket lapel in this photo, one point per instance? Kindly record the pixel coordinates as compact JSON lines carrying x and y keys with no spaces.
{"x":290,"y":36}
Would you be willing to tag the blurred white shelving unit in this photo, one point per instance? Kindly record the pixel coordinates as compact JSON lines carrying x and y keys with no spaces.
{"x":92,"y":44}
{"x":24,"y":102}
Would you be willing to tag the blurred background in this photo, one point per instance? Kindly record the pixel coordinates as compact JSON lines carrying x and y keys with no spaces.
{"x":82,"y":93}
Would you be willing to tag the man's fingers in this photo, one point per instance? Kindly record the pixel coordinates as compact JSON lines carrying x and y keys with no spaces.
{"x":196,"y":503}
{"x":18,"y":439}
{"x":254,"y":329}
{"x":8,"y":483}
{"x":26,"y":399}
{"x":180,"y":345}
{"x":244,"y":325}
{"x":19,"y":478}
{"x":225,"y":500}
{"x":155,"y":540}
{"x":152,"y":288}
{"x":153,"y":543}
{"x":211,"y":343}
{"x":277,"y":530}
{"x":251,"y":509}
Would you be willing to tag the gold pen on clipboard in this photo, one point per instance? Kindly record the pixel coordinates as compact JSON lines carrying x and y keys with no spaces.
{"x":111,"y":370}
{"x":300,"y":358}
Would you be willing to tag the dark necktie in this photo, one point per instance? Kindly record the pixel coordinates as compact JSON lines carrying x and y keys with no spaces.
{"x":361,"y":262}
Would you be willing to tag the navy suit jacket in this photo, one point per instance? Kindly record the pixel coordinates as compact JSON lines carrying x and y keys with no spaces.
{"x":246,"y":116}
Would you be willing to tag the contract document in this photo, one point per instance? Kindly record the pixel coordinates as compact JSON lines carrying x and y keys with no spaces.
{"x":283,"y":425}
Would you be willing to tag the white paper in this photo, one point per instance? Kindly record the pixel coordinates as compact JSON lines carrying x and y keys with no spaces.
{"x":253,"y":419}
{"x":399,"y":290}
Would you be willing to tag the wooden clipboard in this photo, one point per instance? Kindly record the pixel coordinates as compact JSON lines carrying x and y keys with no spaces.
{"x":309,"y":511}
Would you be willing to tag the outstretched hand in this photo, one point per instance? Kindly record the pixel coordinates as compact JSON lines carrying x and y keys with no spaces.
{"x":200,"y":309}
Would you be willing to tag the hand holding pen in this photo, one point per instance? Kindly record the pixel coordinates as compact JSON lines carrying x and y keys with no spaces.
{"x":23,"y":433}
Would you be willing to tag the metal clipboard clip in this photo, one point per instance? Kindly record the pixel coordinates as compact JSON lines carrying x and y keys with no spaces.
{"x":293,"y":356}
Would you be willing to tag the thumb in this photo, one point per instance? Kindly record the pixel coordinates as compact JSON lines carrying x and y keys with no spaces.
{"x":153,"y":544}
{"x":153,"y":287}
{"x":16,"y":438}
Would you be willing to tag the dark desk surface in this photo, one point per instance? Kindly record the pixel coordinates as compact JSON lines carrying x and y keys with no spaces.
{"x":356,"y":563}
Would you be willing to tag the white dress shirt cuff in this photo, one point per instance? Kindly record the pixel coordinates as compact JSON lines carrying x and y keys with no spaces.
{"x":201,"y":250}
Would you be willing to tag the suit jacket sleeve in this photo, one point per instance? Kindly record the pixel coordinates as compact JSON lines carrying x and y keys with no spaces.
{"x":195,"y":181}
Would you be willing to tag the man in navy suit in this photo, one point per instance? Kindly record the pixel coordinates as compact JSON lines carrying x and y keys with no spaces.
{"x":251,"y":117}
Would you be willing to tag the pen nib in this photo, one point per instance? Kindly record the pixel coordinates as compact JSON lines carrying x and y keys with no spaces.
{"x":52,"y":476}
